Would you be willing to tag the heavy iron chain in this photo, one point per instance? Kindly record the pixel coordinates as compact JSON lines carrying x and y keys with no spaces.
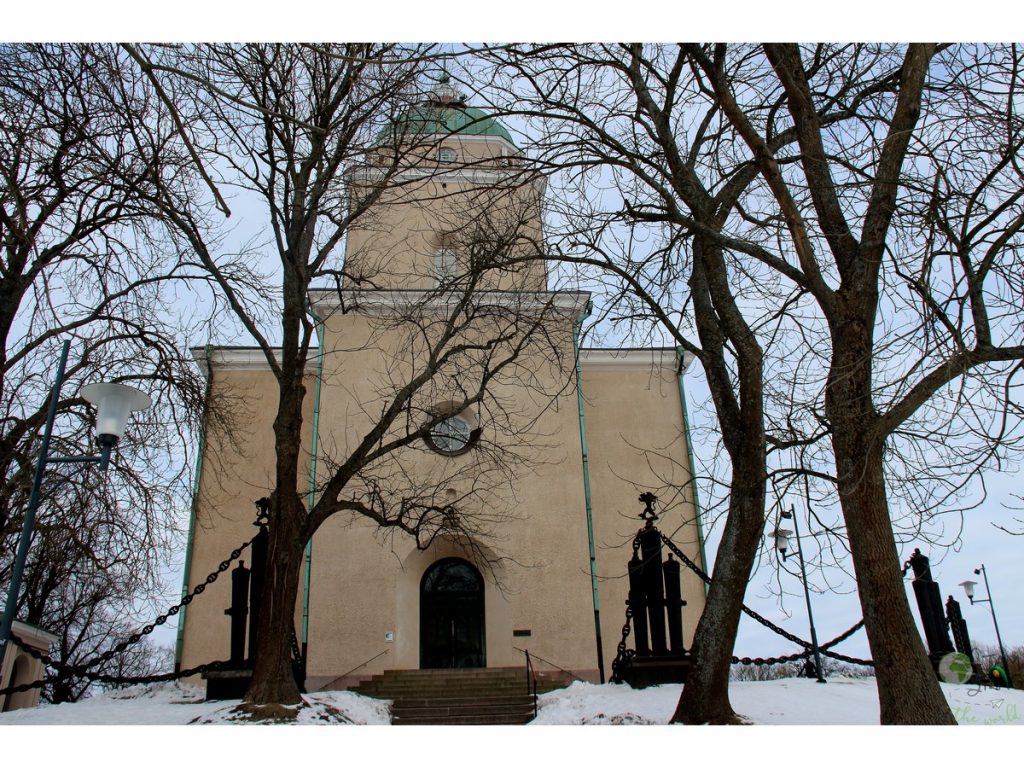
{"x":775,"y":628}
{"x":65,"y":671}
{"x":82,"y":670}
{"x":623,"y":653}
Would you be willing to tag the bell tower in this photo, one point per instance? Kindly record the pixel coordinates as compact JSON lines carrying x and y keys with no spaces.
{"x":455,"y":197}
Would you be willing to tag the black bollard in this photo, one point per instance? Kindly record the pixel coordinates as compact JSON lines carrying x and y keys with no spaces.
{"x":637,"y":602}
{"x":238,"y":611}
{"x":674,"y":606}
{"x":654,"y":588}
{"x":259,"y":569}
{"x":929,"y":603}
{"x":956,"y":622}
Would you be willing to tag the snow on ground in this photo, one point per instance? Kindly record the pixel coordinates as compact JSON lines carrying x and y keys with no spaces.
{"x":793,"y":702}
{"x":177,"y":704}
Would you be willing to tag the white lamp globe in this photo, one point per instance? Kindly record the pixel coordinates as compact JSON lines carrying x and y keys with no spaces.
{"x":782,"y":539}
{"x":114,"y":403}
{"x":969,"y":589}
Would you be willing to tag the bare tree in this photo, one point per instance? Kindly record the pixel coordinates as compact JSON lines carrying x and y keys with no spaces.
{"x":1017,"y":521}
{"x":322,"y":136}
{"x":657,"y":247}
{"x":83,"y":258}
{"x":940,"y":222}
{"x":875,"y":191}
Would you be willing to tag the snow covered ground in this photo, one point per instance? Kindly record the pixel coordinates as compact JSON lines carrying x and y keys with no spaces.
{"x":794,"y":701}
{"x":800,"y":702}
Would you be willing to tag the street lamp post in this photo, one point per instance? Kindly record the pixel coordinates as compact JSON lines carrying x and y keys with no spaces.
{"x":969,"y":589}
{"x":782,"y":536}
{"x":114,"y":403}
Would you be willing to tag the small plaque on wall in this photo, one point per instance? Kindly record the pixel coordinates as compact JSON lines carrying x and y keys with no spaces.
{"x":521,"y":632}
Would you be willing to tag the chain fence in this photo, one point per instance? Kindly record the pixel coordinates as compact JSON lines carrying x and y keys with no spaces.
{"x":623,"y":654}
{"x":83,"y":670}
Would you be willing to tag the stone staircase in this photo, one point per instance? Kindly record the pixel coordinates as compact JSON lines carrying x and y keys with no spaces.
{"x":492,"y":696}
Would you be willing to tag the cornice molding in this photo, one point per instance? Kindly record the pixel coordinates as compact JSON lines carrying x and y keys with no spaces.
{"x":233,"y":358}
{"x":326,"y":303}
{"x":35,"y":636}
{"x":635,"y":359}
{"x":458,"y":174}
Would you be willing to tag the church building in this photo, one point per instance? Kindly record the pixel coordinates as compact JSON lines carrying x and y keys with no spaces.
{"x":546,"y":465}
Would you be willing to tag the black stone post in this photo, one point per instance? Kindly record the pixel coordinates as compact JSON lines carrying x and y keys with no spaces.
{"x":639,"y":606}
{"x":929,"y":603}
{"x":259,"y":570}
{"x":959,"y":627}
{"x":674,"y":605}
{"x":238,"y":612}
{"x":654,"y":588}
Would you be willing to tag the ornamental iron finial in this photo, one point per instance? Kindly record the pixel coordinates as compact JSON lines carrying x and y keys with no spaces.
{"x":648,"y":499}
{"x":263,"y":511}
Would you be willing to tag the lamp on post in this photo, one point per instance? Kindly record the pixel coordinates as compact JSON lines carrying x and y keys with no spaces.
{"x":782,"y":537}
{"x":969,"y":590}
{"x":114,"y":403}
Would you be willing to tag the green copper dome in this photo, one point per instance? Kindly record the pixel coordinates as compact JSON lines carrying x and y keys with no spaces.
{"x":445,"y":113}
{"x":435,"y":119}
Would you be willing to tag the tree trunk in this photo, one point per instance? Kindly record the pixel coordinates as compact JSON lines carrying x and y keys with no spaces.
{"x":705,"y":697}
{"x":908,"y":689}
{"x":273,"y":679}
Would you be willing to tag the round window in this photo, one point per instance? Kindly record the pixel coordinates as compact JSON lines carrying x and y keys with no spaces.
{"x":451,"y":436}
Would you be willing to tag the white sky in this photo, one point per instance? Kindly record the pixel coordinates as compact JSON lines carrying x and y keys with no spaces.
{"x":460,"y":20}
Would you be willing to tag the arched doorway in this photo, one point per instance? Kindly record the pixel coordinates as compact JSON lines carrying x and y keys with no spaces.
{"x":452,"y":616}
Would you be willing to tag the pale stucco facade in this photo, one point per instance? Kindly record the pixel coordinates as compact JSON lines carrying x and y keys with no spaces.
{"x":362,"y":602}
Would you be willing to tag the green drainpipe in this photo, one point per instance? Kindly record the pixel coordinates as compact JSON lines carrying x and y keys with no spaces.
{"x":312,"y":475}
{"x":586,"y":489}
{"x":689,"y":458}
{"x":180,"y":639}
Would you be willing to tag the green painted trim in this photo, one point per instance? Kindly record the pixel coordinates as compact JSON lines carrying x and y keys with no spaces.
{"x":179,"y":640}
{"x":689,"y":459}
{"x":312,"y":473}
{"x":586,"y":488}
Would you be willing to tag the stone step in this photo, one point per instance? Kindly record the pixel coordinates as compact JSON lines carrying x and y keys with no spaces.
{"x":447,"y":674}
{"x":441,"y":685}
{"x":455,"y":672}
{"x":488,"y":696}
{"x":506,"y":719}
{"x":525,"y":710}
{"x":453,"y":690}
{"x":463,"y":701}
{"x":435,"y":693}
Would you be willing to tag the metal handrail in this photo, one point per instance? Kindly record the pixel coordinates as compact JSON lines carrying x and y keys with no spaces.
{"x":531,"y":682}
{"x":360,"y":666}
{"x":573,"y":675}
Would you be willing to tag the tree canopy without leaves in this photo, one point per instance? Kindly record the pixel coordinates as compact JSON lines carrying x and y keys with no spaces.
{"x":84,"y":257}
{"x":856,"y":213}
{"x":314,"y":134}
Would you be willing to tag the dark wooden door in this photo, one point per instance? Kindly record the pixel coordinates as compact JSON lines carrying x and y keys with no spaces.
{"x":452,"y":616}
